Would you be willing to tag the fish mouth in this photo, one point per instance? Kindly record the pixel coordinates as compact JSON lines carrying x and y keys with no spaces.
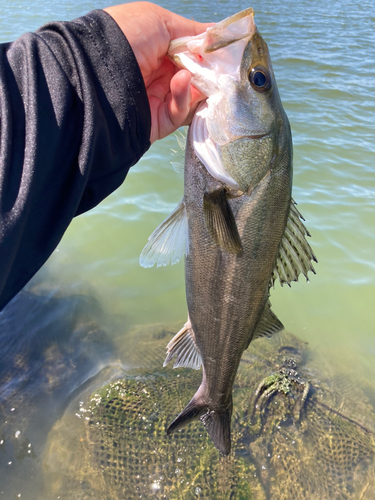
{"x":217,"y":51}
{"x":218,"y":36}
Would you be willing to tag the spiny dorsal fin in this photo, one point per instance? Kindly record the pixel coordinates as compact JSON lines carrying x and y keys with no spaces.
{"x":269,"y":323}
{"x":220,"y":221}
{"x":295,"y":254}
{"x":169,"y":242}
{"x":184,"y":349}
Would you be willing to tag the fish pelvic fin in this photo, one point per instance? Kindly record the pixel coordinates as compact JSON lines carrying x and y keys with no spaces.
{"x":217,"y":423}
{"x":220,"y":221}
{"x":295,"y":255}
{"x":169,"y":242}
{"x":184,"y":348}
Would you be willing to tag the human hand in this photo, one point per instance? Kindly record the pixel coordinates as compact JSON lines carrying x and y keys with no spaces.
{"x":149,"y":30}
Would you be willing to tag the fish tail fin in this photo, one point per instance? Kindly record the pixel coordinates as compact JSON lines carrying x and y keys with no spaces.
{"x":217,"y":423}
{"x":218,"y":427}
{"x":192,"y":411}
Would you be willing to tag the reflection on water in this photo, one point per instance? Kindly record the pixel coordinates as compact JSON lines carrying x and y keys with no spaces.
{"x":55,"y":337}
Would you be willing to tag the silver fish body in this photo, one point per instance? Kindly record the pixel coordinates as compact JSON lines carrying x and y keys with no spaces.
{"x":242,"y":232}
{"x":227,"y":293}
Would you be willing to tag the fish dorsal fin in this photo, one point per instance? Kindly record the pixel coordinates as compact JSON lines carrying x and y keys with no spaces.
{"x":220,"y":221}
{"x":268,"y":324}
{"x":184,"y":349}
{"x":295,"y":254}
{"x":169,"y":242}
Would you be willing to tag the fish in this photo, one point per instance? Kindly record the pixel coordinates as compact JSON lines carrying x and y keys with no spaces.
{"x":237,"y":224}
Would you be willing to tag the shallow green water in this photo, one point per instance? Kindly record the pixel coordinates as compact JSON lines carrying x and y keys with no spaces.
{"x":323,"y":57}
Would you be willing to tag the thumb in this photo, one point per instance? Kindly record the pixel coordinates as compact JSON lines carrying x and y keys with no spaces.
{"x":173,"y":112}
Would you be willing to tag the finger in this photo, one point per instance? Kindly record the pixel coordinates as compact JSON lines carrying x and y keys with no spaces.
{"x":178,"y":26}
{"x":177,"y":108}
{"x":168,"y":115}
{"x":179,"y":104}
{"x":196,"y":98}
{"x":184,"y":98}
{"x":160,"y":85}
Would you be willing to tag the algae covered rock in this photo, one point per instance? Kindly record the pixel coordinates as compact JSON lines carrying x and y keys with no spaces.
{"x":293,"y":434}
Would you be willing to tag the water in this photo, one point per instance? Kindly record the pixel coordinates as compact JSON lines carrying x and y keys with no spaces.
{"x":323,"y":56}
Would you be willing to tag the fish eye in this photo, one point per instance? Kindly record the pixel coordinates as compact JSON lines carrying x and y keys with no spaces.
{"x":260,"y":79}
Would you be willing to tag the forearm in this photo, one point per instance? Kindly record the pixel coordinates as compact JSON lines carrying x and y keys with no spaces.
{"x":74,"y":117}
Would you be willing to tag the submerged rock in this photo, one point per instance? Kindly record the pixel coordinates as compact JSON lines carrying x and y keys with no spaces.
{"x":295,"y":434}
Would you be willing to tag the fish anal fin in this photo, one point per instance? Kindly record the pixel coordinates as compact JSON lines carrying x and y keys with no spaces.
{"x":268,"y":324}
{"x":169,"y":242}
{"x":295,"y":255}
{"x":184,"y":349}
{"x":220,"y":221}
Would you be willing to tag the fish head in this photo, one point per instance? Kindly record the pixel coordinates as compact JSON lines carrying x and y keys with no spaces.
{"x":241,"y":131}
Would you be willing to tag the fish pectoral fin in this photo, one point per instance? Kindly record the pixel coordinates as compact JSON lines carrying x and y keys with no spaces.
{"x":184,"y":349}
{"x":295,"y":254}
{"x":181,"y":137}
{"x":169,"y":242}
{"x":268,"y":324}
{"x":220,"y":221}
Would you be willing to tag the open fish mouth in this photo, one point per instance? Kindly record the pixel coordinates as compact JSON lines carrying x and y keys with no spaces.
{"x":217,"y":51}
{"x":228,"y":31}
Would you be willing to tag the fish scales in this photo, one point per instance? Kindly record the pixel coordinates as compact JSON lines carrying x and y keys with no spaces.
{"x":237,"y":224}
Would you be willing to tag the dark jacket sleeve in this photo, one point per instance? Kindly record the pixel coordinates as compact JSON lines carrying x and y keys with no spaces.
{"x":74,"y":117}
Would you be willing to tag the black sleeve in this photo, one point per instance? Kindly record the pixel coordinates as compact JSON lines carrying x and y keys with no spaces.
{"x":74,"y":117}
